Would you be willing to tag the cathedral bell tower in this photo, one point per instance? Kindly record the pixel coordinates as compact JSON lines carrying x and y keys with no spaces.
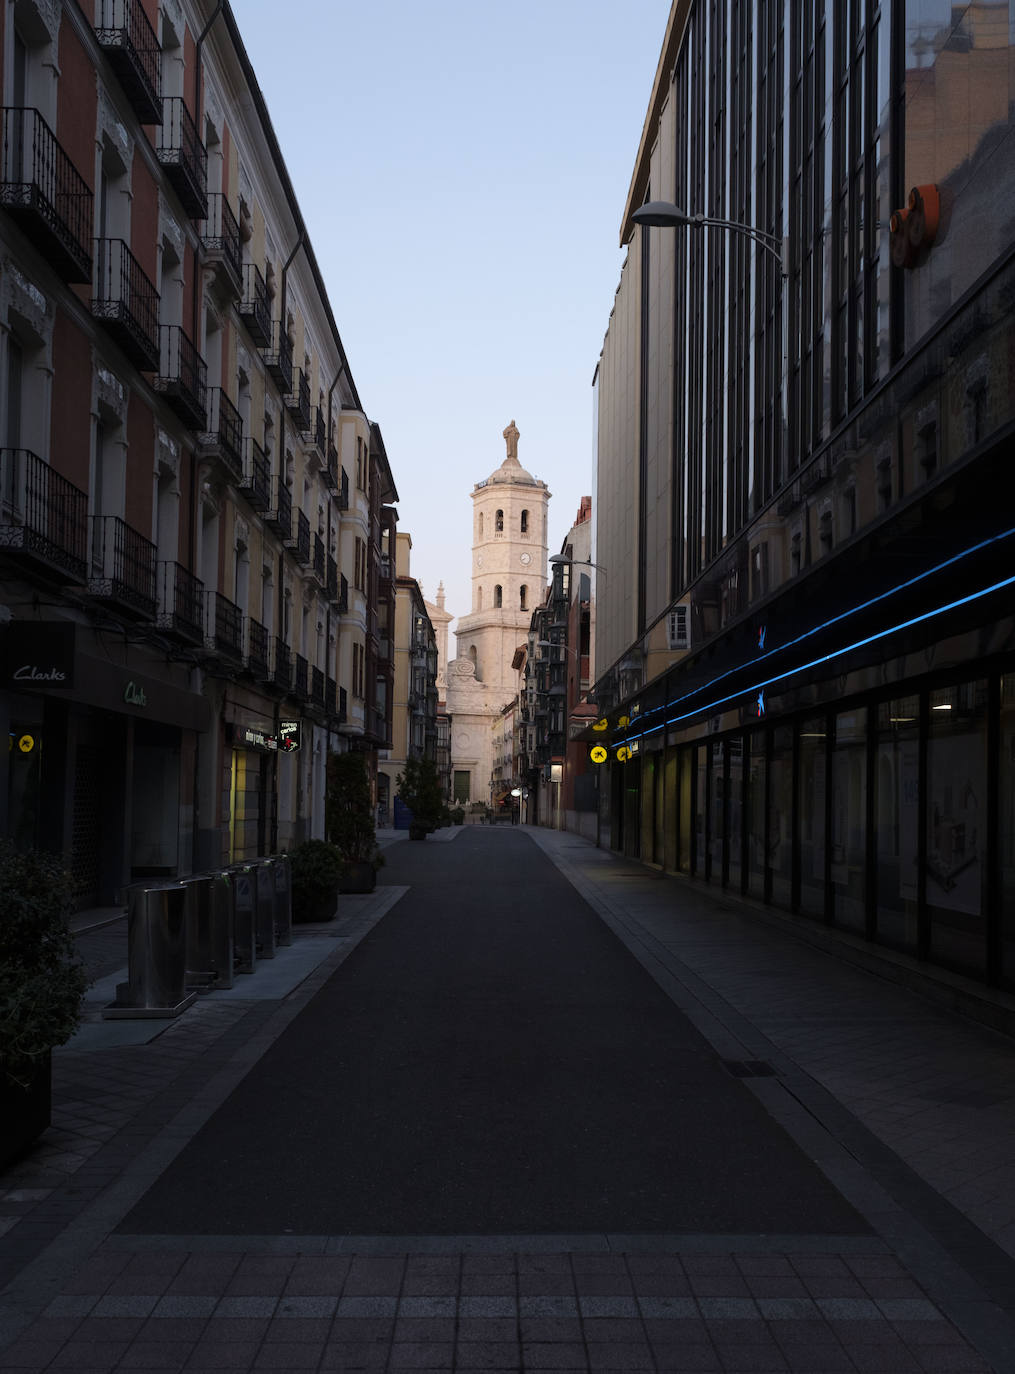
{"x":508,"y":568}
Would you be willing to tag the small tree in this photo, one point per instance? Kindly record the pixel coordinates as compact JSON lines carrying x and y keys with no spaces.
{"x":348,"y":812}
{"x":419,"y":786}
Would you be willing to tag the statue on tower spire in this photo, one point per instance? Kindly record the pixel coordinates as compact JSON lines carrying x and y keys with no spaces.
{"x":511,"y":436}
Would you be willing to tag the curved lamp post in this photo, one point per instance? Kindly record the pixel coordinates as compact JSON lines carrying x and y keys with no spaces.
{"x":661,"y":214}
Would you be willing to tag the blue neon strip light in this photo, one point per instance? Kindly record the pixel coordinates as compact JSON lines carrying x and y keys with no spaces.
{"x":816,"y":662}
{"x":843,"y":615}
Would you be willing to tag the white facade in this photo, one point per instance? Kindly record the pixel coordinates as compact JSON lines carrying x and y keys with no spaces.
{"x":508,"y":578}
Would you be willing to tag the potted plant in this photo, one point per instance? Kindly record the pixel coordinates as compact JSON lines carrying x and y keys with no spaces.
{"x":419,"y":787}
{"x":458,"y":815}
{"x":349,"y":821}
{"x":317,"y":869}
{"x":41,"y":986}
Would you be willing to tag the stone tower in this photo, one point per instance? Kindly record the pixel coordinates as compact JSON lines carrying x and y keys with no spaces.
{"x":509,"y":523}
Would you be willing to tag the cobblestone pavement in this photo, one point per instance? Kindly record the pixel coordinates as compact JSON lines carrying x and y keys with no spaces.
{"x":907,"y":1109}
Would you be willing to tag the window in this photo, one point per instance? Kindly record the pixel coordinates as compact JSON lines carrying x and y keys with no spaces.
{"x":357,"y":670}
{"x":523,"y":596}
{"x":360,"y":568}
{"x":525,"y":522}
{"x":499,"y":522}
{"x":480,"y":528}
{"x":361,"y":466}
{"x":498,"y":596}
{"x":479,"y":598}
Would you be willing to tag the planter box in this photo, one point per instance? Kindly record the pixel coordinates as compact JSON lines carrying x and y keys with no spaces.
{"x":360,"y":877}
{"x":24,"y":1112}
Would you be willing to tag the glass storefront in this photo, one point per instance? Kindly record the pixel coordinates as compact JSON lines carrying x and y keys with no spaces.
{"x":848,"y":801}
{"x":896,"y":772}
{"x":754,"y":815}
{"x":780,"y":816}
{"x":811,"y":767}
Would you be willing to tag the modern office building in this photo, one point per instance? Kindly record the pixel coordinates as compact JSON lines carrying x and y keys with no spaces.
{"x":194,"y":505}
{"x":805,"y":645}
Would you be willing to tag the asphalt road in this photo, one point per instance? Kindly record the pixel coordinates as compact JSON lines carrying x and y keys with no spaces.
{"x":490,"y":1060}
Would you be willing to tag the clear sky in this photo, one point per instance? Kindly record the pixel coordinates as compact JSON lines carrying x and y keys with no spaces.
{"x":462,"y":167}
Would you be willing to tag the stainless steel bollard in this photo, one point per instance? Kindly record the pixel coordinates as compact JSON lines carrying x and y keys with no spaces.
{"x":156,"y":954}
{"x":210,"y":930}
{"x":244,"y":883}
{"x":264,"y":909}
{"x":282,"y":869}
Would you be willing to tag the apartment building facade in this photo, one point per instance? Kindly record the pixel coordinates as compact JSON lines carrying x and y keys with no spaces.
{"x":805,"y":648}
{"x":193,"y":502}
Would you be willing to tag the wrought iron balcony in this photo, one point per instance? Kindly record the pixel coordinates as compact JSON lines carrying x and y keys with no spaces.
{"x":258,"y":644}
{"x":224,"y":627}
{"x":223,"y":439}
{"x":343,"y":491}
{"x":123,"y":567}
{"x":42,"y":189}
{"x":301,"y":679}
{"x":331,"y":696}
{"x":255,"y":307}
{"x":221,"y":242}
{"x":332,"y":472}
{"x":317,"y":687}
{"x":182,"y":377}
{"x":126,"y":36}
{"x":343,"y":705}
{"x":278,"y":358}
{"x":282,"y":666}
{"x":342,"y":604}
{"x":43,"y":517}
{"x":318,"y":560}
{"x":300,"y":546}
{"x":126,"y":303}
{"x":180,"y":602}
{"x":297,"y":402}
{"x":320,"y":432}
{"x":280,"y":519}
{"x":332,"y":580}
{"x":179,"y":148}
{"x":256,"y":484}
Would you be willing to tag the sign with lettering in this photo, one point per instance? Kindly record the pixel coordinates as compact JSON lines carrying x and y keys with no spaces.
{"x":134,"y":695}
{"x":38,"y":653}
{"x":289,"y":736}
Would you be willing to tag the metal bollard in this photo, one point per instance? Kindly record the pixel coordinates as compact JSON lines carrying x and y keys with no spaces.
{"x":244,"y":882}
{"x":210,"y":930}
{"x":282,"y":869}
{"x":264,"y":909}
{"x":156,"y":955}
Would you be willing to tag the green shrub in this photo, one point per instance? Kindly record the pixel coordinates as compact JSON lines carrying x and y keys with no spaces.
{"x":317,"y":867}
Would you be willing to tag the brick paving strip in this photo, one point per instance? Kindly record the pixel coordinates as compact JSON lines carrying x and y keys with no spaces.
{"x":86,"y":1300}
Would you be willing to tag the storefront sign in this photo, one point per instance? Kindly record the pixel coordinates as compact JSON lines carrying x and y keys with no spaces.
{"x":39,"y":654}
{"x":134,"y":695}
{"x":257,"y":737}
{"x":289,"y":739}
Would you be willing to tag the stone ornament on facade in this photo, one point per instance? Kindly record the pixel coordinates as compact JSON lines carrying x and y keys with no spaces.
{"x":169,"y":228}
{"x":167,"y":453}
{"x":109,"y":128}
{"x":21,"y":297}
{"x":110,"y":393}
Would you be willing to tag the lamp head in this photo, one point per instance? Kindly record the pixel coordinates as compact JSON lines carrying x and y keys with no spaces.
{"x":661,"y":214}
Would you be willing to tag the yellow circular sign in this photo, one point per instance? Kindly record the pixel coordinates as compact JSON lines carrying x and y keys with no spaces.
{"x":623,"y":753}
{"x":26,"y":744}
{"x":601,"y":724}
{"x":598,"y":754}
{"x":623,"y":720}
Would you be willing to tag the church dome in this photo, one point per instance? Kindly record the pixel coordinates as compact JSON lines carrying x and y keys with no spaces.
{"x":511,"y":470}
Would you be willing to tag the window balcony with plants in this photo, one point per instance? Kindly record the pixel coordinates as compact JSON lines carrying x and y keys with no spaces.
{"x":255,"y":306}
{"x":123,"y":571}
{"x":126,"y":304}
{"x":223,"y":439}
{"x":180,"y":602}
{"x":184,"y":157}
{"x":42,"y":190}
{"x":125,"y":34}
{"x":43,"y":518}
{"x":223,"y":251}
{"x":182,"y":377}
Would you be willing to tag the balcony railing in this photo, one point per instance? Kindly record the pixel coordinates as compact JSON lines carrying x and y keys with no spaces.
{"x":319,"y":560}
{"x":300,"y":546}
{"x":258,"y":643}
{"x":221,"y":242}
{"x":331,"y":696}
{"x":123,"y":567}
{"x":180,"y":602}
{"x":126,"y":303}
{"x":42,"y":189}
{"x":179,"y":148}
{"x":225,"y":627}
{"x":343,"y":491}
{"x":317,"y":687}
{"x":331,"y":583}
{"x":256,"y":484}
{"x":282,"y":666}
{"x":182,"y":377}
{"x":343,"y":704}
{"x":280,"y":519}
{"x":255,"y":307}
{"x":332,"y":472}
{"x":43,"y":517}
{"x":132,"y":48}
{"x":278,"y":358}
{"x":223,"y":439}
{"x":298,"y":401}
{"x":320,"y":432}
{"x":342,"y":605}
{"x":301,"y":678}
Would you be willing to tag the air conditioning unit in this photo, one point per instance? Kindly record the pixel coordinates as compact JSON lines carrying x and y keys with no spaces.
{"x":678,"y":627}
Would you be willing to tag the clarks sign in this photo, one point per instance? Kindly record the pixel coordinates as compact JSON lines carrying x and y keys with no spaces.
{"x":38,"y":654}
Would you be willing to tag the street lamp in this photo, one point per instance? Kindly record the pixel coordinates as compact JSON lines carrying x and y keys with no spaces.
{"x":661,"y":214}
{"x":561,"y":560}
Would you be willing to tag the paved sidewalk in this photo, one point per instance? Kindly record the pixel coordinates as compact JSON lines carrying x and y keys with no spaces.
{"x":908,"y":1110}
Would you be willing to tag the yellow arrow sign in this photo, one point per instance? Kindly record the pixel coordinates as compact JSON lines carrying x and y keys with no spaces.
{"x":623,"y":753}
{"x":598,"y":754}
